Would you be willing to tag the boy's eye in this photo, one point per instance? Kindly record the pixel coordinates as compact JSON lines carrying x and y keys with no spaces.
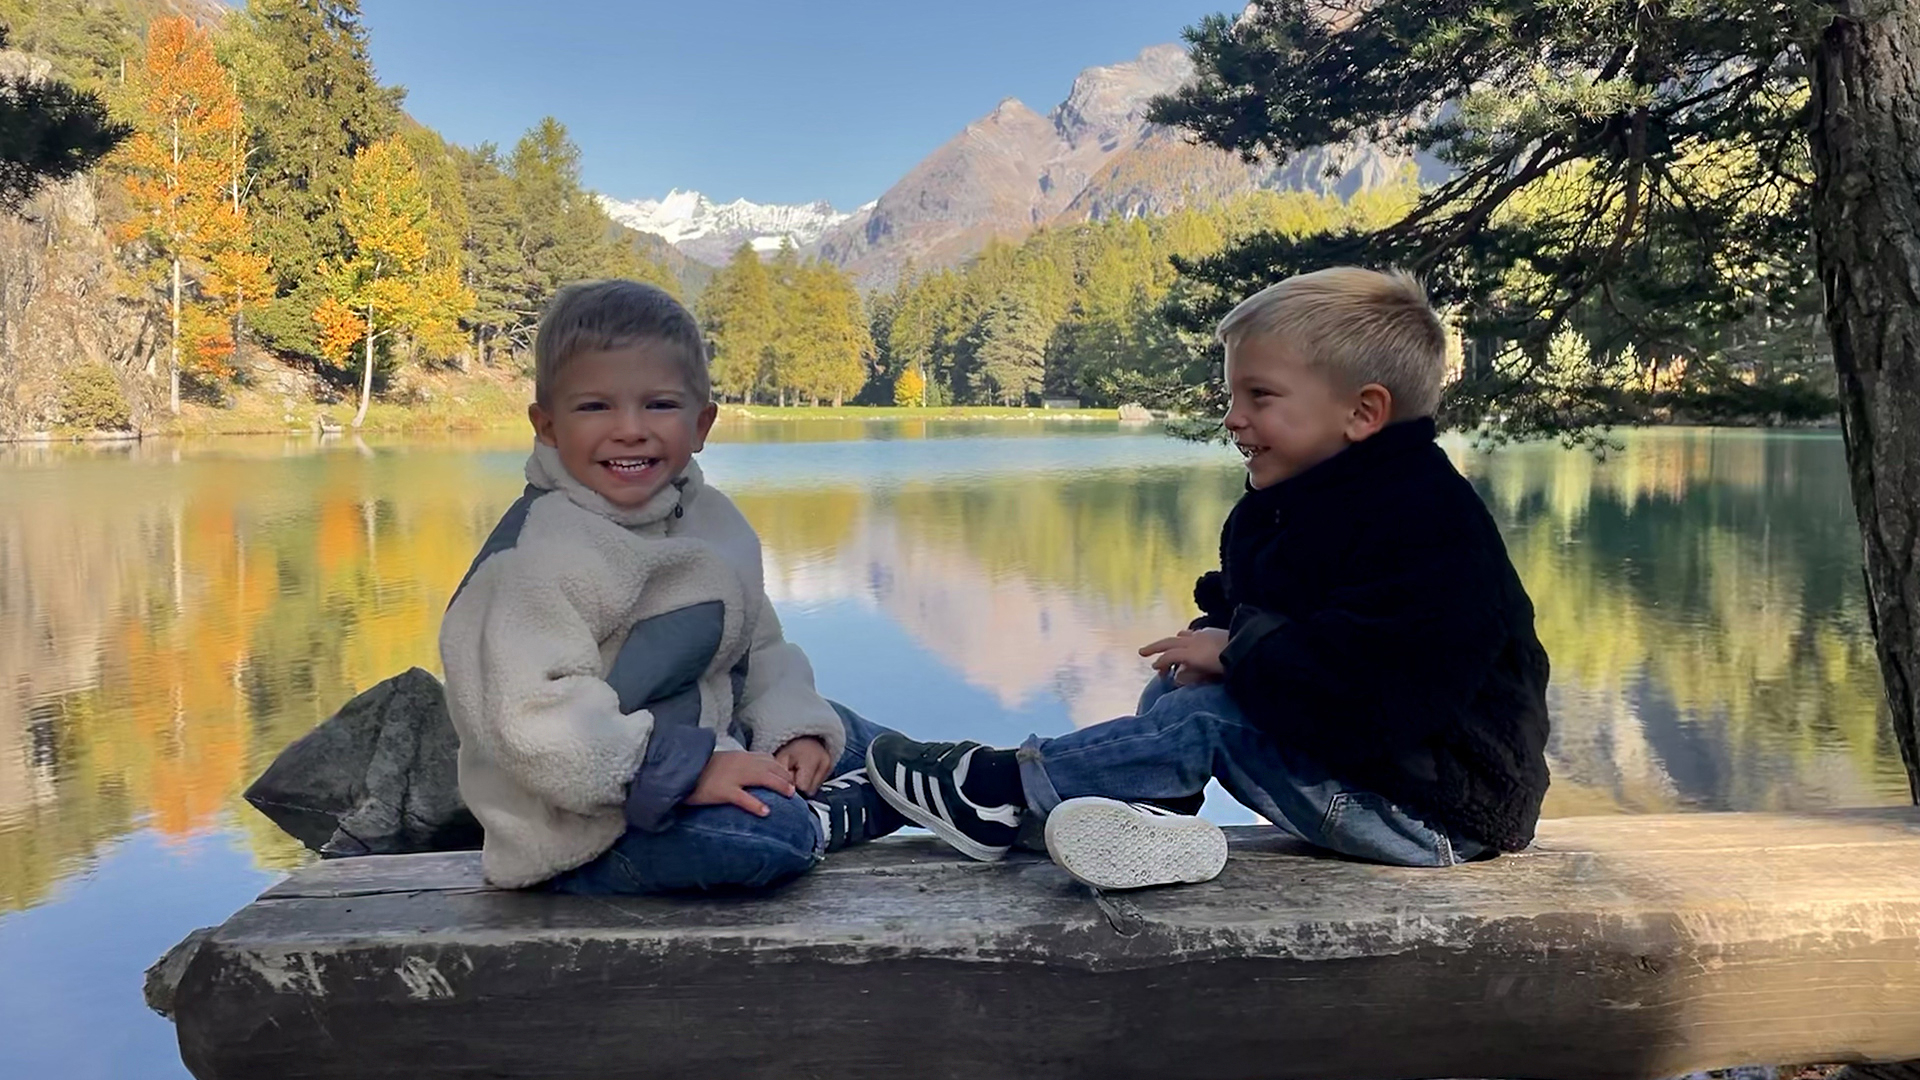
{"x":590,"y":406}
{"x":663,"y":404}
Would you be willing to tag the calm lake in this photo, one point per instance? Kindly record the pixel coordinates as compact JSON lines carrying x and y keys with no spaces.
{"x":172,"y":615}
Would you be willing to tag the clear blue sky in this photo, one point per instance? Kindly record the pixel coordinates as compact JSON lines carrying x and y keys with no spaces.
{"x":770,"y":100}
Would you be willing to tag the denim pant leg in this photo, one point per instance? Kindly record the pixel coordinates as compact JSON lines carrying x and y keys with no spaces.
{"x":1157,"y":687}
{"x":710,"y":847}
{"x":860,"y":734}
{"x":706,"y":847}
{"x":1190,"y":734}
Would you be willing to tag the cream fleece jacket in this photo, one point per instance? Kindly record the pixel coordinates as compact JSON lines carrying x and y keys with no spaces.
{"x":546,"y":755}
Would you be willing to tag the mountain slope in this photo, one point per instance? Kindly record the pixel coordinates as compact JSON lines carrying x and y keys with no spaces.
{"x":984,"y":182}
{"x":1093,"y":156}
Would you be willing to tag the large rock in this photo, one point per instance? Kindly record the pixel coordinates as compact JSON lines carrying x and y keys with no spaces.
{"x":378,"y":778}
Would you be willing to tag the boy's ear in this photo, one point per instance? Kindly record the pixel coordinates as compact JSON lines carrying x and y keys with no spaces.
{"x":542,"y":422}
{"x":1372,"y":411}
{"x":703,"y":424}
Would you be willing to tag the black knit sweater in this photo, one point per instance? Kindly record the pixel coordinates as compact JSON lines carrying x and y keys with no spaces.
{"x":1379,"y":627}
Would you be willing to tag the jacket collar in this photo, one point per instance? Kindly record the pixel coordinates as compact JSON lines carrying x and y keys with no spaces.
{"x":544,"y":471}
{"x":1390,"y":443}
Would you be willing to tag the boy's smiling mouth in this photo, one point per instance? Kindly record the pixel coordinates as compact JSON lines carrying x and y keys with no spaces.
{"x":631,"y":467}
{"x":1249,"y":450}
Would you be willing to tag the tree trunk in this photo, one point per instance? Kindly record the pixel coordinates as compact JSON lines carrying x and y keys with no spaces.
{"x":173,"y":347}
{"x":366,"y":376}
{"x":1866,"y":218}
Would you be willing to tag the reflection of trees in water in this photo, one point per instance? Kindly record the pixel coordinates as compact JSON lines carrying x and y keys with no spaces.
{"x":1704,"y":587}
{"x":803,"y":525}
{"x":167,"y":633}
{"x":1134,"y":540}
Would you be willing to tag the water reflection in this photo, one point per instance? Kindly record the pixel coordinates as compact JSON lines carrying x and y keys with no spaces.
{"x":171,"y":617}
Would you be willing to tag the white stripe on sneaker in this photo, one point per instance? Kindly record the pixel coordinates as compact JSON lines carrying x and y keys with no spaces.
{"x":940,"y":806}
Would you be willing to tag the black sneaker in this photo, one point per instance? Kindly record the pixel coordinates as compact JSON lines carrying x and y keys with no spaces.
{"x":851,"y":812}
{"x":922,"y":781}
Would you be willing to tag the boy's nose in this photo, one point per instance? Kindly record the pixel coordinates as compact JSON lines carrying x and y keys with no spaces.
{"x":632,"y":426}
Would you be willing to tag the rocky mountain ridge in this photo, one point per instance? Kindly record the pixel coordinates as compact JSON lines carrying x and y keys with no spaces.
{"x":1094,"y":155}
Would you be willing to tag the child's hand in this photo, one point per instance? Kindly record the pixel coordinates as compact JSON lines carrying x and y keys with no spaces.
{"x":807,"y":762}
{"x":728,"y":775}
{"x":1192,"y":655}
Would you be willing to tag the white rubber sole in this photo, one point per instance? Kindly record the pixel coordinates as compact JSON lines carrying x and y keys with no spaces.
{"x":1108,"y":844}
{"x":959,"y":841}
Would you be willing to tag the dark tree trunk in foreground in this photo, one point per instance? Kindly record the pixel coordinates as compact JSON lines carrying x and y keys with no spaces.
{"x":1866,"y":220}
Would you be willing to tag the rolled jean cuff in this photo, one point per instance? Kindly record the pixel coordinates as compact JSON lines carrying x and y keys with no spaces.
{"x":1041,"y":796}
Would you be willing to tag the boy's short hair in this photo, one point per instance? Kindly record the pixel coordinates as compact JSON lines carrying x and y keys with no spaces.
{"x":610,"y":314}
{"x":1369,"y":326}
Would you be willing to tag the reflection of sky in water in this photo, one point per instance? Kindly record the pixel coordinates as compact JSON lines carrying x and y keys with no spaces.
{"x":71,"y":970}
{"x":169,"y":621}
{"x":887,"y":464}
{"x":874,"y":464}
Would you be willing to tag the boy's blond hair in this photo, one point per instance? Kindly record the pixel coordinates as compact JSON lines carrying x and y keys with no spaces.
{"x":592,"y":315}
{"x":1364,"y":325}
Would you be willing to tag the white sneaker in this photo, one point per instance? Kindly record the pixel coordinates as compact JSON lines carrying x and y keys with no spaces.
{"x":1110,"y":844}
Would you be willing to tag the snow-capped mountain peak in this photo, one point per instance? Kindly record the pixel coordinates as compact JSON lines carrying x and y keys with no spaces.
{"x":711,"y":231}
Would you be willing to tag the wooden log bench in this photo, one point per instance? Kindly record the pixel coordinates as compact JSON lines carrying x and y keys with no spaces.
{"x":1626,"y":947}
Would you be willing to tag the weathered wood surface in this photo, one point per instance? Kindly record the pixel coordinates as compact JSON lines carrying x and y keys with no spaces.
{"x":1622,"y":948}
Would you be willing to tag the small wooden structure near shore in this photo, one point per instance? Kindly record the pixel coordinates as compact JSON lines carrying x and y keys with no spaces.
{"x":1618,"y":949}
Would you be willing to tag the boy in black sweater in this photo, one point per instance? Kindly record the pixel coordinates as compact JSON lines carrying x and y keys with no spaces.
{"x":1364,"y":673}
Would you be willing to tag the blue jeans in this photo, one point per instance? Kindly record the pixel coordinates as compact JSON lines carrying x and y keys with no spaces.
{"x":1185,"y":735}
{"x":719,"y":847}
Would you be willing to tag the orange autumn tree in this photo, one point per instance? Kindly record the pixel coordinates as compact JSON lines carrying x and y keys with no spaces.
{"x":384,"y":284}
{"x":236,"y":273}
{"x":181,"y":170}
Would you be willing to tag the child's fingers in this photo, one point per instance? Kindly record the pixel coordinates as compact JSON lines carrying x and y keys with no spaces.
{"x":1160,"y":646}
{"x":770,"y":774}
{"x":740,"y":798}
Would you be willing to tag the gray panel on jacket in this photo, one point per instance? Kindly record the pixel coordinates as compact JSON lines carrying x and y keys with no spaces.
{"x":659,"y":664}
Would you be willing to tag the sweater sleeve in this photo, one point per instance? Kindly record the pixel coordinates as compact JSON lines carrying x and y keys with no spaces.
{"x":531,"y":692}
{"x":1390,"y":659}
{"x":676,"y":756}
{"x":778,"y":703}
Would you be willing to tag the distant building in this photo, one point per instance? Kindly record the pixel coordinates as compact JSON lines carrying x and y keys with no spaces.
{"x":1060,"y":403}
